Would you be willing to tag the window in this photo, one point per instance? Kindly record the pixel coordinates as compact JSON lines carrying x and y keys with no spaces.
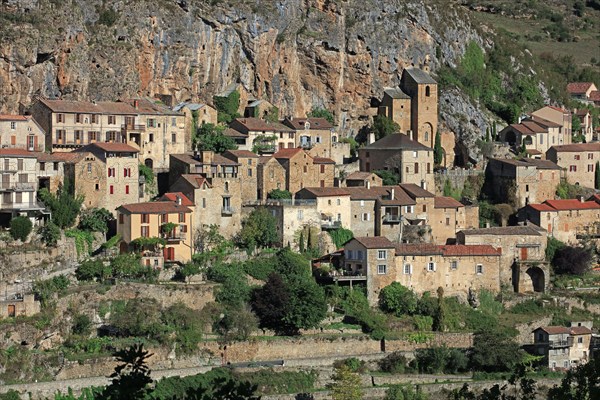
{"x":590,"y":156}
{"x":572,"y":168}
{"x":174,"y":137}
{"x":453,"y":265}
{"x":590,"y":167}
{"x":111,"y":172}
{"x":577,"y":157}
{"x":305,"y":169}
{"x":349,"y":255}
{"x":112,"y":120}
{"x":60,"y":117}
{"x":407,"y":269}
{"x":382,"y":269}
{"x":249,"y":171}
{"x":329,"y":202}
{"x":13,"y":125}
{"x":112,"y":189}
{"x":427,"y":91}
{"x":111,"y":136}
{"x":126,"y":189}
{"x":173,"y":121}
{"x":359,"y":255}
{"x":121,"y":219}
{"x":541,"y":139}
{"x":479,"y":269}
{"x":447,"y":221}
{"x":362,"y":203}
{"x":416,"y":168}
{"x":151,"y":137}
{"x":94,"y":118}
{"x":126,"y":172}
{"x":151,"y":123}
{"x":55,"y":166}
{"x":579,"y":340}
{"x":164,"y":218}
{"x":78,"y":118}
{"x":300,"y":215}
{"x":322,"y":168}
{"x":415,"y":154}
{"x":249,"y":161}
{"x":181,"y":217}
{"x":424,"y":208}
{"x":566,"y":364}
{"x":339,"y":202}
{"x":97,"y":186}
{"x":203,"y":202}
{"x":409,"y":209}
{"x":42,"y":166}
{"x":92,"y":136}
{"x":145,"y":231}
{"x":430,"y":266}
{"x":527,"y":188}
{"x":318,"y":139}
{"x":366,"y":216}
{"x":381,"y":254}
{"x":60,"y":134}
{"x":145,"y":218}
{"x":89,"y":168}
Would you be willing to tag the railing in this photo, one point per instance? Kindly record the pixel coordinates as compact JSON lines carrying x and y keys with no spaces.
{"x":133,"y":127}
{"x":22,"y":206}
{"x":17,"y":186}
{"x":282,"y":202}
{"x":175,"y":236}
{"x":227,"y":210}
{"x":331,"y":224}
{"x":225,"y":175}
{"x":392,"y":218}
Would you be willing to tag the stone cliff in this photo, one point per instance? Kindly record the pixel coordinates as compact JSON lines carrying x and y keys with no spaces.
{"x":295,"y":53}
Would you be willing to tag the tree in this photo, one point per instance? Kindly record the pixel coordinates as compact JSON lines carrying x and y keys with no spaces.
{"x":575,"y":124}
{"x":494,"y":350}
{"x":50,"y":233}
{"x":131,"y":379}
{"x":597,"y":176}
{"x":582,"y":383}
{"x":270,"y":301}
{"x":258,"y":230}
{"x":383,"y":126}
{"x":403,"y":392}
{"x":278,"y":194}
{"x":81,"y":324}
{"x":439,"y":318}
{"x":212,"y":138}
{"x":227,"y":106}
{"x":20,"y":228}
{"x":90,"y":270}
{"x":389,"y":178}
{"x":346,"y":384}
{"x":95,"y":220}
{"x":438,"y":152}
{"x":572,"y":260}
{"x":64,"y":205}
{"x":398,"y":299}
{"x":317,"y":112}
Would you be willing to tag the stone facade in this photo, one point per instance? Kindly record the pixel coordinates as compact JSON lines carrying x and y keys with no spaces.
{"x":412,"y":161}
{"x":247,"y":173}
{"x":21,"y":132}
{"x":559,"y":116}
{"x":262,"y":136}
{"x":146,"y":220}
{"x":423,"y":92}
{"x":395,"y":105}
{"x":313,"y":134}
{"x":196,"y":114}
{"x":526,"y":243}
{"x":106,"y":174}
{"x":362,"y":179}
{"x":537,"y":134}
{"x":578,"y":161}
{"x":332,"y":203}
{"x":520,"y":182}
{"x":563,"y":348}
{"x":566,"y":220}
{"x":25,"y":306}
{"x":448,"y":216}
{"x":587,"y":124}
{"x":292,"y":217}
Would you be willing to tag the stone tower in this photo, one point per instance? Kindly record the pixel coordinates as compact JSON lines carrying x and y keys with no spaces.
{"x":423,"y":92}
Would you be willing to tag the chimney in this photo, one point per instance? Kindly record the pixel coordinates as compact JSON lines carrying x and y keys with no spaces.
{"x":207,"y":157}
{"x":178,"y":199}
{"x":423,"y":184}
{"x":371,"y":137}
{"x":368,"y":185}
{"x":409,"y":133}
{"x":136,"y":104}
{"x":581,"y":199}
{"x":392,"y":194}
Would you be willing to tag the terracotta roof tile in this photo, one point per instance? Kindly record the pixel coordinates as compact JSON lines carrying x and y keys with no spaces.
{"x":7,"y":117}
{"x":195,"y":180}
{"x":326,"y":191}
{"x":534,"y":126}
{"x":257,"y":124}
{"x":287,"y":153}
{"x":471,"y":250}
{"x":541,"y":207}
{"x":148,"y":106}
{"x":580,"y":330}
{"x":323,"y":160}
{"x":240,"y":154}
{"x":554,"y":330}
{"x":110,"y":147}
{"x":577,"y":147}
{"x":154,"y":207}
{"x":172,"y":196}
{"x":234,"y":134}
{"x":300,"y":123}
{"x":578,"y":87}
{"x":68,"y":157}
{"x":544,"y":122}
{"x":415,"y":190}
{"x":572,"y":204}
{"x":446,"y":202}
{"x":595,"y":95}
{"x":7,"y":152}
{"x":417,"y":249}
{"x":86,"y":107}
{"x":375,"y":242}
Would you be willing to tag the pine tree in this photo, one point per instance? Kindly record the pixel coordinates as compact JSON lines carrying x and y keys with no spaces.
{"x":438,"y":152}
{"x":597,"y":180}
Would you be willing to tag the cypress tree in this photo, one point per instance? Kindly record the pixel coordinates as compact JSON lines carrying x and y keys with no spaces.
{"x":438,"y":153}
{"x":597,"y":175}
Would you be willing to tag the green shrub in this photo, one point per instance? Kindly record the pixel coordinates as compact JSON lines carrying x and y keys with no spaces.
{"x":44,"y":290}
{"x":81,"y":324}
{"x":353,"y":364}
{"x":20,"y":228}
{"x":398,"y":299}
{"x":394,"y":363}
{"x":278,"y":194}
{"x":50,"y":234}
{"x":108,"y":17}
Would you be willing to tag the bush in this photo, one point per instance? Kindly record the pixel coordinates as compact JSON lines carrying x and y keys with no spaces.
{"x":436,"y":360}
{"x":50,"y":234}
{"x":398,"y":299}
{"x":353,"y":364}
{"x":81,"y":324}
{"x":572,"y":260}
{"x":394,"y":363}
{"x":20,"y":228}
{"x":95,"y":220}
{"x":44,"y":290}
{"x":278,"y":194}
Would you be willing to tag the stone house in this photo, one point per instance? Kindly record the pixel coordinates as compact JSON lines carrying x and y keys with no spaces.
{"x":520,"y":182}
{"x":448,"y":216}
{"x":157,"y":132}
{"x":215,"y":186}
{"x":196,"y":115}
{"x":258,"y":109}
{"x":362,"y":179}
{"x":316,"y":135}
{"x":106,"y":174}
{"x":395,"y":105}
{"x":421,"y":267}
{"x":295,"y":216}
{"x":537,"y":134}
{"x":559,"y":116}
{"x":21,"y":132}
{"x":73,"y":124}
{"x":563,"y":348}
{"x":18,"y":189}
{"x":247,"y":171}
{"x":51,"y":168}
{"x":582,"y":91}
{"x":148,"y":220}
{"x":578,"y":161}
{"x":566,"y":220}
{"x":293,"y":169}
{"x":263,"y":136}
{"x":411,"y":160}
{"x":19,"y":306}
{"x":587,"y":124}
{"x":333,"y":204}
{"x":522,"y":265}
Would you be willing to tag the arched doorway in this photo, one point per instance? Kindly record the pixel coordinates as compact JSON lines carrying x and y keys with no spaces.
{"x":538,"y":279}
{"x":149,"y":163}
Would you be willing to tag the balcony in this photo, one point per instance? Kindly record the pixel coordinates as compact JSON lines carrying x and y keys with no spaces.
{"x":175,"y":236}
{"x":17,"y":186}
{"x":22,"y":206}
{"x":227,"y":210}
{"x":133,"y":127}
{"x":331,"y":224}
{"x":392,"y":218}
{"x":282,"y":202}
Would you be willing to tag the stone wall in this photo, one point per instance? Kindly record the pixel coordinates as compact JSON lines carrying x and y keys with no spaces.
{"x":457,"y":178}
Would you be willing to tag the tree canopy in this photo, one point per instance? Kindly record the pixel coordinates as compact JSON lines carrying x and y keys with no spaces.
{"x":317,"y":112}
{"x":383,"y":126}
{"x":258,"y":230}
{"x":211,"y":138}
{"x":64,"y":205}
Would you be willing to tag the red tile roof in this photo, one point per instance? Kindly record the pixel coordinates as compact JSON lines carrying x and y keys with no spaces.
{"x":257,"y":124}
{"x":578,"y":87}
{"x":417,"y":249}
{"x":110,"y":147}
{"x":7,"y":152}
{"x":323,"y":160}
{"x":374,"y":242}
{"x":554,"y":330}
{"x":103,"y":107}
{"x":173,"y":197}
{"x":154,"y":207}
{"x":541,"y":207}
{"x":196,"y":180}
{"x":534,"y":126}
{"x":7,"y":117}
{"x":233,"y":133}
{"x":68,"y":157}
{"x":595,"y":95}
{"x":565,"y":205}
{"x":326,"y":191}
{"x":470,"y":250}
{"x":595,"y":198}
{"x":287,"y":153}
{"x":300,"y":123}
{"x":446,"y":202}
{"x":415,"y":190}
{"x":577,"y":147}
{"x":580,"y":330}
{"x":241,"y":153}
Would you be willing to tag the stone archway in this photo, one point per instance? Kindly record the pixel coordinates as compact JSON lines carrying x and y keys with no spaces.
{"x":426,"y":135}
{"x":530,"y":276}
{"x":538,"y":279}
{"x":148,"y":162}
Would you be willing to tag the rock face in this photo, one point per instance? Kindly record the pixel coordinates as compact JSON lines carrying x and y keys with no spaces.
{"x":295,"y":53}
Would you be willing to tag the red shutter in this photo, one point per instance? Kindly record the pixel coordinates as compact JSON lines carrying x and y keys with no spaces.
{"x":112,"y":189}
{"x":141,"y":231}
{"x":125,"y":172}
{"x":109,"y":173}
{"x":35,"y":143}
{"x":126,"y":189}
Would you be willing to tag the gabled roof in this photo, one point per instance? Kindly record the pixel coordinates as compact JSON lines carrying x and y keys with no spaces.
{"x":217,"y":159}
{"x":577,"y":147}
{"x":525,"y":230}
{"x":257,"y":124}
{"x":286,"y":154}
{"x":580,"y":330}
{"x":300,"y":123}
{"x":544,"y":122}
{"x":234,"y":133}
{"x":67,"y":157}
{"x":190,"y":106}
{"x":326,"y":191}
{"x":195,"y":180}
{"x":15,"y":152}
{"x":420,"y":76}
{"x":9,"y":117}
{"x":534,"y":126}
{"x":172,"y":196}
{"x":396,"y":141}
{"x":149,"y":106}
{"x":109,"y":147}
{"x":154,"y":207}
{"x":322,"y":160}
{"x":554,"y":330}
{"x":565,"y":205}
{"x":562,"y":110}
{"x":446,"y":202}
{"x":578,"y":87}
{"x":457,"y":250}
{"x":374,"y":242}
{"x":86,"y":107}
{"x":527,"y":162}
{"x":415,"y":190}
{"x":235,"y":154}
{"x":395,"y":93}
{"x":417,"y":249}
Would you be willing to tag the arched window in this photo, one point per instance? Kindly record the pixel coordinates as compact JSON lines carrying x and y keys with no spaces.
{"x":426,"y":136}
{"x":427,"y":91}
